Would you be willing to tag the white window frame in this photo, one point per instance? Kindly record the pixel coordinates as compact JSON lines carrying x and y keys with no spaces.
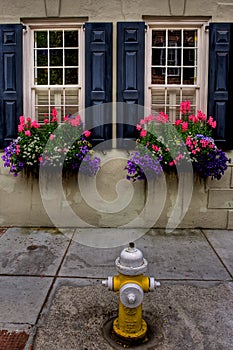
{"x":28,"y":60}
{"x":202,"y":59}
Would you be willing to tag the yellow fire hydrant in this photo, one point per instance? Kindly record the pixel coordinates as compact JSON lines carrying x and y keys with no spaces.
{"x":130,"y":284}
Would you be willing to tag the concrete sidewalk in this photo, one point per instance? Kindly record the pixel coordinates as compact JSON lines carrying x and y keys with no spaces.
{"x":50,"y":287}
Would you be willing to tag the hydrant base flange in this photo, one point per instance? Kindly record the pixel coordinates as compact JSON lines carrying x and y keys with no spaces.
{"x":130,"y":336}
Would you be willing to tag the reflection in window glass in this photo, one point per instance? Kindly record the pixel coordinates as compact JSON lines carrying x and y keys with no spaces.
{"x":56,"y":54}
{"x":56,"y":57}
{"x":55,"y":39}
{"x":174,"y":50}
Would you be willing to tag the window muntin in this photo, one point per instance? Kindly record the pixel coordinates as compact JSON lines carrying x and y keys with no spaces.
{"x":56,"y":72}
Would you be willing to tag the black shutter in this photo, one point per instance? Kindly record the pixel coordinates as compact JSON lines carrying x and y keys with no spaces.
{"x":11,"y":81}
{"x":98,"y":80}
{"x":220,"y":88}
{"x":130,"y":78}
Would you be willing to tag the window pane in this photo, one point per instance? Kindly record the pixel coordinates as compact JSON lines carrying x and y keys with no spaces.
{"x":71,"y":57}
{"x":189,"y":57}
{"x":174,"y":38}
{"x":158,"y":38}
{"x":174,"y":57}
{"x":71,"y":38}
{"x":41,"y":76}
{"x":41,"y":58}
{"x":190,"y":38}
{"x":56,"y":76}
{"x":40,"y":39}
{"x":56,"y":57}
{"x":173,"y":76}
{"x":55,"y":39}
{"x":72,"y":97}
{"x":158,"y":57}
{"x":71,"y":76}
{"x":189,"y":76}
{"x":158,"y":75}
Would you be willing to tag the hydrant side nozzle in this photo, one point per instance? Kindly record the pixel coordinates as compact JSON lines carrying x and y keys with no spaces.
{"x":108,"y":283}
{"x":153,"y":284}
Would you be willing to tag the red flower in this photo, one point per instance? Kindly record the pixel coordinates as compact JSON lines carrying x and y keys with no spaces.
{"x":143,"y":133}
{"x":87,"y":133}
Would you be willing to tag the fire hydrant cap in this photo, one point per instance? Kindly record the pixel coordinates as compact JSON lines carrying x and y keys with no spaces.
{"x":131,"y":261}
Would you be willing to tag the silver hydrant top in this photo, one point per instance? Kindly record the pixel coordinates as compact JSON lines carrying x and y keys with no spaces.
{"x":131,"y":261}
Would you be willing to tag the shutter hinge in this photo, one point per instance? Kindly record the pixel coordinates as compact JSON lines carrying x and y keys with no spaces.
{"x":146,"y":27}
{"x":207,"y":28}
{"x":25,"y":29}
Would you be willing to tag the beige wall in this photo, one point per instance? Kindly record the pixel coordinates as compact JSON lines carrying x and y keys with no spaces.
{"x":12,"y":11}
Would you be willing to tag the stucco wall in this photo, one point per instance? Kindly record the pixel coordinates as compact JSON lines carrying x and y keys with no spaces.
{"x":12,"y":11}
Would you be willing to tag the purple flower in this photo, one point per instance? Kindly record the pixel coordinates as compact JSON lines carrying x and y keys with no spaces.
{"x":143,"y":166}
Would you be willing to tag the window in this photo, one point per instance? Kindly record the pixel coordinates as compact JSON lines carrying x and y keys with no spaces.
{"x":54,"y":56}
{"x":176,"y":66}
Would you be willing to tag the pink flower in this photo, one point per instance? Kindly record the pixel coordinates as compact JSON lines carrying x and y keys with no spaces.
{"x":143,"y":133}
{"x":46,"y":121}
{"x":214,"y":124}
{"x":188,"y":141}
{"x":211,"y":122}
{"x":54,"y":112}
{"x":28,"y":119}
{"x":142,"y":121}
{"x":171,"y":163}
{"x":87,"y":133}
{"x":20,"y":128}
{"x":184,"y":126}
{"x":193,"y":118}
{"x":17,"y":149}
{"x":51,"y":137}
{"x":162,"y":118}
{"x":35,"y":125}
{"x":155,"y":148}
{"x":40,"y":159}
{"x":22,"y":119}
{"x":149,"y":118}
{"x":178,"y":121}
{"x":54,"y":119}
{"x":27,"y":133}
{"x":138,"y":127}
{"x":185,"y":107}
{"x":201,"y":116}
